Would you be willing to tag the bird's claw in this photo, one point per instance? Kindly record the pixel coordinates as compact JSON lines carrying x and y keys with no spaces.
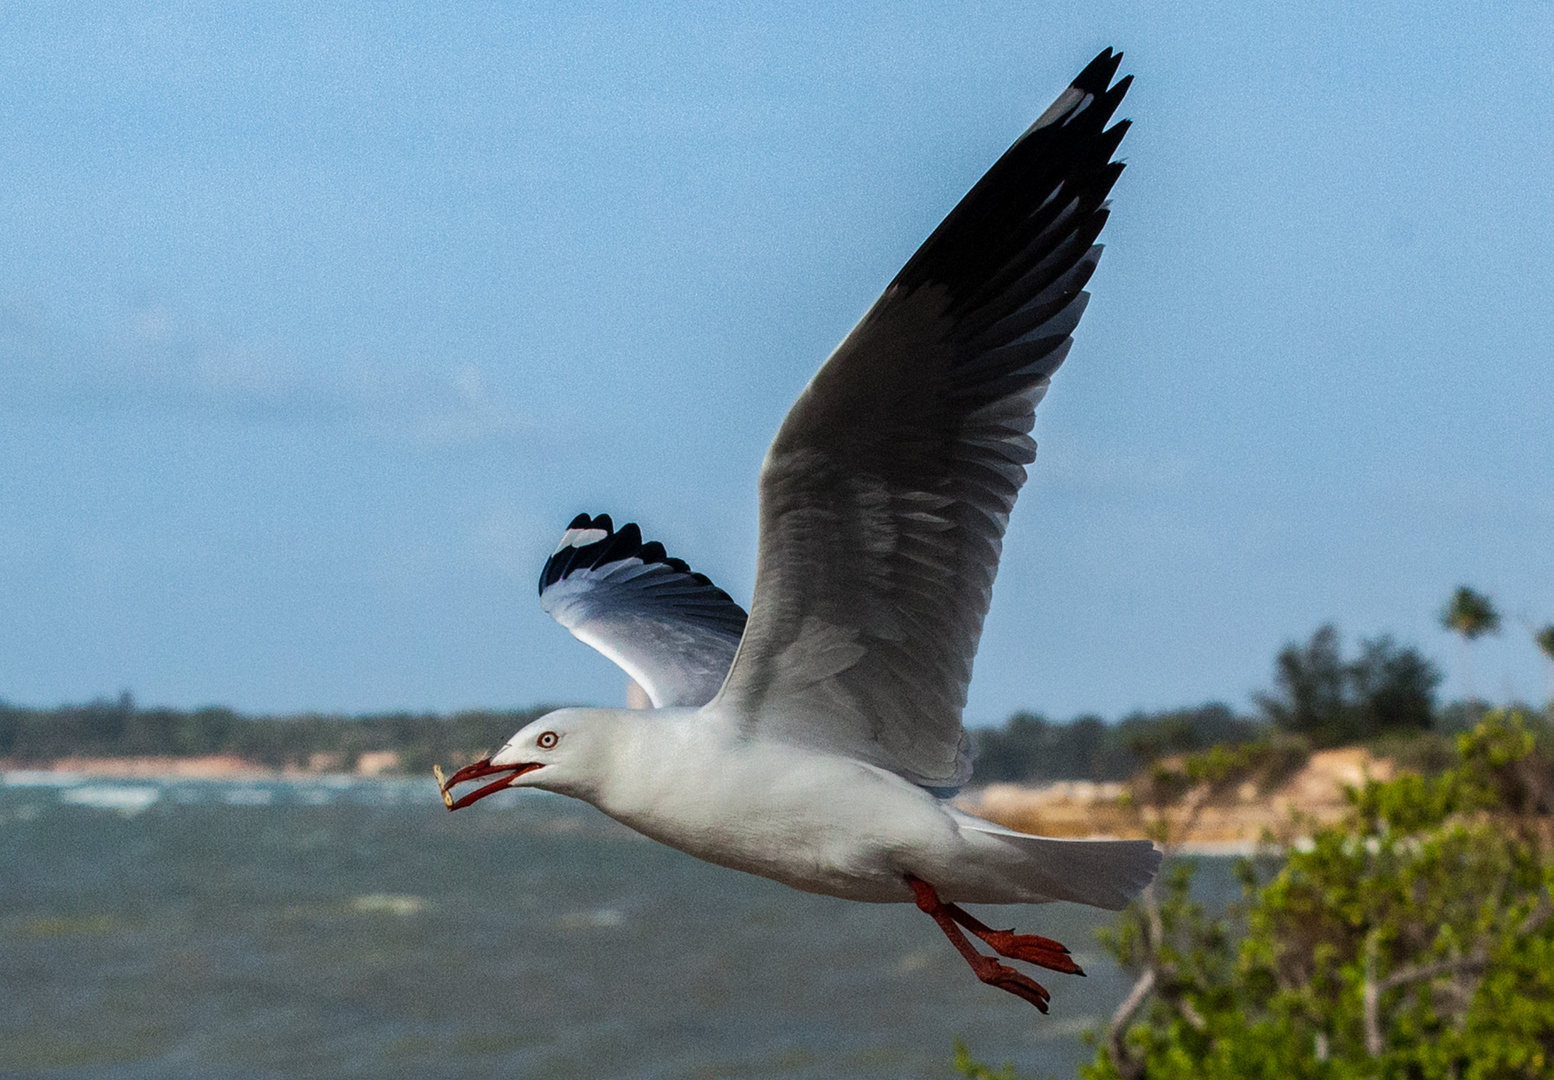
{"x":1033,"y":949}
{"x":1007,"y":978}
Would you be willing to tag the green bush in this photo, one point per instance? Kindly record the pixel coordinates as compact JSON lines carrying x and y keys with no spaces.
{"x":1412,"y":939}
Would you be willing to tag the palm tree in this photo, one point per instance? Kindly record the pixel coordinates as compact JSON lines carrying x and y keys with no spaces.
{"x":1545,"y":640}
{"x":1470,"y":615}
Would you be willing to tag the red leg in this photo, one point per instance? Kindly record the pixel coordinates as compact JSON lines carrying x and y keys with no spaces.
{"x":1032,"y":948}
{"x":986,"y":968}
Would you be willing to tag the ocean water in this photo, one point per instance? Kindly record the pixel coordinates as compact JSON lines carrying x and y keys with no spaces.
{"x":353,"y":928}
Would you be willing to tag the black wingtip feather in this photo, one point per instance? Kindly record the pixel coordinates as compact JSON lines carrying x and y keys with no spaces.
{"x":626,"y":543}
{"x":1114,"y":96}
{"x":1098,"y":73}
{"x":985,"y":242}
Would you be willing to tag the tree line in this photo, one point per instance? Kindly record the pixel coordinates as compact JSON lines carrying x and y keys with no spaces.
{"x":1321,"y":696}
{"x":119,"y":728}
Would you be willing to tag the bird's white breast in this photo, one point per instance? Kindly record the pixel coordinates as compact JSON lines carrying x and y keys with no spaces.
{"x":814,"y":821}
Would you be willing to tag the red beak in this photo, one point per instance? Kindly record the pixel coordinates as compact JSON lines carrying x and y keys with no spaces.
{"x":475,"y":771}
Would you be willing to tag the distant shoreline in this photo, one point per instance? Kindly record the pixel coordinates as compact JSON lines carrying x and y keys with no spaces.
{"x":1248,"y":823}
{"x":380,"y":763}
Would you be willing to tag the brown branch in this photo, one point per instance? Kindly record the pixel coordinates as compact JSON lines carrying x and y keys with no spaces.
{"x":1189,"y":1012}
{"x":1537,"y":916}
{"x":1475,"y":961}
{"x":1192,"y":808}
{"x":1472,"y":963}
{"x":1130,"y":1067}
{"x":1156,"y":925}
{"x":1370,"y":1000}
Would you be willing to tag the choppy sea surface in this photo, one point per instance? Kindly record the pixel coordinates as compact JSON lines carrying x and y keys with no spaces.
{"x":353,"y":928}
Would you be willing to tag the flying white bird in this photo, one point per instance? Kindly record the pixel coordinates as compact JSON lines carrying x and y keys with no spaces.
{"x":816,"y":742}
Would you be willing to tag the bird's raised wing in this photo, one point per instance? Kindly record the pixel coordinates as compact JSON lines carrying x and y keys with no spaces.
{"x":671,"y":630}
{"x":885,"y":495}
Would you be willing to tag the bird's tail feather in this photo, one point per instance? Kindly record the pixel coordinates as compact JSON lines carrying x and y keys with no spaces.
{"x":1102,"y":873}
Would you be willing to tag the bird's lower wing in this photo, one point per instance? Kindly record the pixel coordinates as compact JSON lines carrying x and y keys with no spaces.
{"x":671,"y":630}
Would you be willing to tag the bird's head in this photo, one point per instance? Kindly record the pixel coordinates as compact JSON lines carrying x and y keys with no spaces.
{"x":561,"y":751}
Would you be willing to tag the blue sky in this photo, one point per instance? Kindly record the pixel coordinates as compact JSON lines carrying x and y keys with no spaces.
{"x":317,"y":328}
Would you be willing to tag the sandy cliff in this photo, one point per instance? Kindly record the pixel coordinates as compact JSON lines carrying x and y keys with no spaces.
{"x":1235,"y":822}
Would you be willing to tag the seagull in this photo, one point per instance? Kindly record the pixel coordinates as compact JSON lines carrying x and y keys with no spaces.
{"x":818,"y":740}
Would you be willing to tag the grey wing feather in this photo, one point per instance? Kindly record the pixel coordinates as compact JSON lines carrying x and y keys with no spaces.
{"x":670,"y":629}
{"x":885,"y":495}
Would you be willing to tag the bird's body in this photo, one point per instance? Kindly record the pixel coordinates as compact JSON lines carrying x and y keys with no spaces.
{"x":815,"y":821}
{"x":818,"y":821}
{"x":814,"y":741}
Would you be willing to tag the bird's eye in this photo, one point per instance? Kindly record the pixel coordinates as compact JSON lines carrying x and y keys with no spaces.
{"x":547,"y":740}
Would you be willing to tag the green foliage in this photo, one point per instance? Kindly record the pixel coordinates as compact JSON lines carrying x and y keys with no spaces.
{"x":120,"y":729}
{"x":1471,"y":614}
{"x":1332,"y":701}
{"x":966,"y":1065}
{"x":1210,"y":774}
{"x":1427,"y":753}
{"x":1412,"y":939}
{"x":1150,"y":736}
{"x":1460,"y":716}
{"x":1031,"y":748}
